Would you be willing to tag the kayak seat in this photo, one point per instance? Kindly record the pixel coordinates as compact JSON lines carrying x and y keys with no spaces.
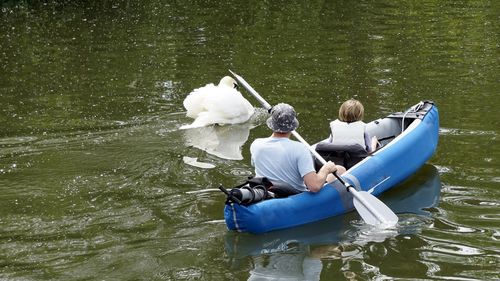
{"x":345,"y":155}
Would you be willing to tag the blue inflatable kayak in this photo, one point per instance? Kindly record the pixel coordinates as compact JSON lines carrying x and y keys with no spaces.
{"x":407,"y":139}
{"x":415,"y":196}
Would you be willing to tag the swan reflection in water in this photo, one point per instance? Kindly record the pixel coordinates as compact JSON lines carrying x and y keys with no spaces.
{"x":298,"y":253}
{"x":222,"y":141}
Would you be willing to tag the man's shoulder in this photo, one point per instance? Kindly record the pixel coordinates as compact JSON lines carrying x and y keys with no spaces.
{"x":285,"y":141}
{"x":297,"y":146}
{"x":259,"y":140}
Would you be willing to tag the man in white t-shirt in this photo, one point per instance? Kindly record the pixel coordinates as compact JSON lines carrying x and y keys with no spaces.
{"x":285,"y":161}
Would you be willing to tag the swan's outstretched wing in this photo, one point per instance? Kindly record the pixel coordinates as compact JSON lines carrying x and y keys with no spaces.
{"x":228,"y":106}
{"x":194,"y":103}
{"x":216,"y":105}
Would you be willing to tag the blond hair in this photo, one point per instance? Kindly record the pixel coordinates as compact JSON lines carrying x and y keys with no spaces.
{"x":351,"y":110}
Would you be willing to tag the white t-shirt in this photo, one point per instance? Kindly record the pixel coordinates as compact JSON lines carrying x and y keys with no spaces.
{"x":282,"y":160}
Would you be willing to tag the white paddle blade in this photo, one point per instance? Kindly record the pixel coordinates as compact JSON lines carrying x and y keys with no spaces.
{"x":373,"y":211}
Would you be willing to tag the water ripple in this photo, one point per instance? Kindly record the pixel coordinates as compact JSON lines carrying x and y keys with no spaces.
{"x":464,"y":132}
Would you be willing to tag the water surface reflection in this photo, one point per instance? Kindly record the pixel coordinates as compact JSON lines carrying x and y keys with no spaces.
{"x":222,"y":141}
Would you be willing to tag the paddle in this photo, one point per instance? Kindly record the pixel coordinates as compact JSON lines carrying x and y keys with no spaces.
{"x":369,"y":207}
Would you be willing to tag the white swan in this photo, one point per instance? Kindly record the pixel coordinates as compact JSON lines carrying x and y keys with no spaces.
{"x":221,"y":104}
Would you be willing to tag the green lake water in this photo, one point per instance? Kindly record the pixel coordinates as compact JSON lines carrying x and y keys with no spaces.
{"x":93,"y":178}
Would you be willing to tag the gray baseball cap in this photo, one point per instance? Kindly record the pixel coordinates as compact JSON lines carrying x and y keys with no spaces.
{"x":283,"y":118}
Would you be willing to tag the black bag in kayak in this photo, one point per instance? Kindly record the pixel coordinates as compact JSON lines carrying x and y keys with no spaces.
{"x":256,"y":189}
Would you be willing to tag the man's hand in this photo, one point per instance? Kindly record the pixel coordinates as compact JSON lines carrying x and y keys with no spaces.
{"x":315,"y":182}
{"x":329,"y":167}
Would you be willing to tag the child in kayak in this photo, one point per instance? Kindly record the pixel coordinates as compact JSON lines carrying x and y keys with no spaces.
{"x":349,"y":129}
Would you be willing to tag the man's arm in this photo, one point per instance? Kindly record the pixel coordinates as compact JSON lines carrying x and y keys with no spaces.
{"x":315,"y":181}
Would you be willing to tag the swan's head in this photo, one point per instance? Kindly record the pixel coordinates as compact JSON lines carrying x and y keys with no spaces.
{"x":228,"y":82}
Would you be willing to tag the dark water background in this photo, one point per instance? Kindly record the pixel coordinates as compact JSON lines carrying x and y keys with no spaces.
{"x":92,"y":178}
